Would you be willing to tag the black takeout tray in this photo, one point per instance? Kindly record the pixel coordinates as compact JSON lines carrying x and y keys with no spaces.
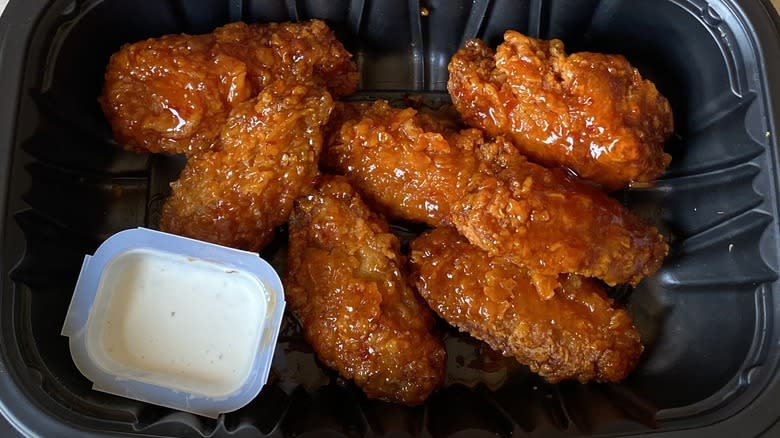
{"x":710,"y":319}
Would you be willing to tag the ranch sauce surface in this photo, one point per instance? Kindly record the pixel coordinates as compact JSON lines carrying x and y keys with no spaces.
{"x":172,"y":320}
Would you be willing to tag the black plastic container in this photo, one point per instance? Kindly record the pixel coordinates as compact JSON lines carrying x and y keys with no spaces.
{"x":710,"y":319}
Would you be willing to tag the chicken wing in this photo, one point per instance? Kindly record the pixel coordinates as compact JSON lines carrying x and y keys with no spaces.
{"x":414,"y":167}
{"x":550,"y":222}
{"x":358,"y":311}
{"x":173,"y":93}
{"x":590,"y":112}
{"x":406,"y":164}
{"x":577,"y":334}
{"x":269,"y":148}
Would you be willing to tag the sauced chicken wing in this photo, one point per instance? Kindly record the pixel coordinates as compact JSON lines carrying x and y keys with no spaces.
{"x":550,"y":222}
{"x":577,"y":334}
{"x":357,"y":309}
{"x":590,"y":112}
{"x":413,"y":167}
{"x":269,"y":148}
{"x":173,"y":93}
{"x":406,"y":164}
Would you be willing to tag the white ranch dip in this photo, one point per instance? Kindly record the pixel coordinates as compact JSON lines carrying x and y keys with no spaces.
{"x":175,"y":321}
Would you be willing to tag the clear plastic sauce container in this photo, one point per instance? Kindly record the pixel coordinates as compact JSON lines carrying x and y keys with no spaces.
{"x":175,"y":321}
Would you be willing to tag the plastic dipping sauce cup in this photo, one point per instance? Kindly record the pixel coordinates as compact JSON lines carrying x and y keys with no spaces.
{"x":175,"y":322}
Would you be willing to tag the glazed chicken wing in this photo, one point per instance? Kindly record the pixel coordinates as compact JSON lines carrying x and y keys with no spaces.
{"x":358,"y":311}
{"x":406,"y":164}
{"x":173,"y":94}
{"x":550,"y":222}
{"x":577,"y":334}
{"x":590,"y":112}
{"x":269,"y":148}
{"x":413,"y":167}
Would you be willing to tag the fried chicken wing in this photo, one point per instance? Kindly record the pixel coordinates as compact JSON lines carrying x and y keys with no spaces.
{"x":173,"y":93}
{"x":413,"y":167}
{"x":406,"y":164}
{"x":550,"y":222}
{"x":590,"y":112}
{"x":269,"y":148}
{"x":577,"y":334}
{"x":345,"y":283}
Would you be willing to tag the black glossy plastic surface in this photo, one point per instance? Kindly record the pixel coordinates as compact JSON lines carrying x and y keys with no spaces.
{"x":710,"y":319}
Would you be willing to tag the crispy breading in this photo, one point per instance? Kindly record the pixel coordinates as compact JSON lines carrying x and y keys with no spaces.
{"x":174,"y":93}
{"x":269,"y":148}
{"x":551,"y":222}
{"x":345,"y":283}
{"x":406,"y":164}
{"x":577,"y":334}
{"x":590,"y":112}
{"x":413,"y":167}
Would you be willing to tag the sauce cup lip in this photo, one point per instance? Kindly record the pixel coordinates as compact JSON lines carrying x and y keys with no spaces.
{"x":79,"y":314}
